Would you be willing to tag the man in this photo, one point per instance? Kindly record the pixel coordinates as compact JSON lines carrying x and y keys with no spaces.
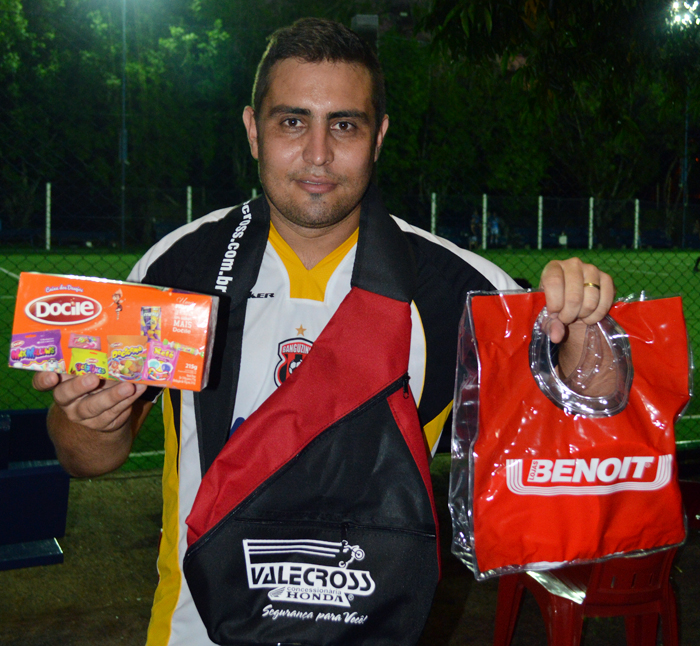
{"x":316,"y":127}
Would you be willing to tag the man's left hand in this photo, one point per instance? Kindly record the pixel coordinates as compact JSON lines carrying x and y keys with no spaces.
{"x":576,"y":293}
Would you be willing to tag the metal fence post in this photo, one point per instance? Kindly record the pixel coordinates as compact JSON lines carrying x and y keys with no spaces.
{"x":189,"y":204}
{"x":636,"y":224}
{"x":540,"y":212}
{"x":48,"y":216}
{"x":484,"y":218}
{"x":591,"y":202}
{"x":433,"y":213}
{"x":123,"y":146}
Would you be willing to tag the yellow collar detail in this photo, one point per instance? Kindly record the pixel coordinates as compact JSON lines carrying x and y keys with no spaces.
{"x":306,"y":283}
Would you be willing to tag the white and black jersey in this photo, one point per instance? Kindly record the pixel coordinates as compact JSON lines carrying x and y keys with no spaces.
{"x":272,"y":311}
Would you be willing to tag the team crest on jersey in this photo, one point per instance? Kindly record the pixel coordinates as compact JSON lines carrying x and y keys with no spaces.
{"x":291,"y":353}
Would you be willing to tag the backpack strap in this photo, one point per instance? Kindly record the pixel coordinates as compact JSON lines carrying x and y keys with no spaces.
{"x":239,"y":247}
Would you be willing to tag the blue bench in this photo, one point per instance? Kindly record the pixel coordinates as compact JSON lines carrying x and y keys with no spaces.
{"x":33,"y":492}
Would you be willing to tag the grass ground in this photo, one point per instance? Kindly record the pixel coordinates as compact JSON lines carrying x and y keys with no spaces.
{"x":102,"y":593}
{"x":657,"y":273}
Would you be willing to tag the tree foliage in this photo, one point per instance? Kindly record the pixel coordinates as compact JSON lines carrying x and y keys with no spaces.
{"x":514,"y":97}
{"x":611,"y":79}
{"x":455,"y":130}
{"x":609,"y":42}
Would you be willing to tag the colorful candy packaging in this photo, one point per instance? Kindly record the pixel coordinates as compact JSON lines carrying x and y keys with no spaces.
{"x":161,"y":362}
{"x":88,"y":362}
{"x":113,"y":329}
{"x":150,"y":322}
{"x":85,"y":342}
{"x":127,"y":354}
{"x":37,"y":351}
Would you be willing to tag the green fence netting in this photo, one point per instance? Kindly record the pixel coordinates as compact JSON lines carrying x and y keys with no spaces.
{"x":628,"y":240}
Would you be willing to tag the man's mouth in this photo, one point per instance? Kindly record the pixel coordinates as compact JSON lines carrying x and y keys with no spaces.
{"x":316,"y":186}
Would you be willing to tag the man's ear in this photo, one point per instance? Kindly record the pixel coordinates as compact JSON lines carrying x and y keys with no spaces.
{"x":380,"y":136}
{"x":252,"y":130}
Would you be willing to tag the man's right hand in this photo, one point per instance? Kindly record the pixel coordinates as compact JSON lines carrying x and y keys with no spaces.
{"x":92,"y":422}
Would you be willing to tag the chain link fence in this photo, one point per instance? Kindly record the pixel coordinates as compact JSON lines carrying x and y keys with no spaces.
{"x":645,"y":246}
{"x":69,"y":232}
{"x":108,"y":116}
{"x":631,"y":240}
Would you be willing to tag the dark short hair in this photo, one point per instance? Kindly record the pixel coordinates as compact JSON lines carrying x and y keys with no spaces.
{"x":314,"y":40}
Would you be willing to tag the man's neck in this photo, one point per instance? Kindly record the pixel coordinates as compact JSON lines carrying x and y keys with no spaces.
{"x":313,"y":245}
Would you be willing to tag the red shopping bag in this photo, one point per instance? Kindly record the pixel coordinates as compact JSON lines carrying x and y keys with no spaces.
{"x":557,"y":475}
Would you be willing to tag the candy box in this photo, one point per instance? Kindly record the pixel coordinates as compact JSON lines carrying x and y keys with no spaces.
{"x":116,"y":330}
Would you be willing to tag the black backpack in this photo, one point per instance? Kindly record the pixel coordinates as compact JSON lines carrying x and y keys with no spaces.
{"x":316,"y":525}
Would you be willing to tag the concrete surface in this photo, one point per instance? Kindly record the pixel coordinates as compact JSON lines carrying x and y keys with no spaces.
{"x":101,"y":594}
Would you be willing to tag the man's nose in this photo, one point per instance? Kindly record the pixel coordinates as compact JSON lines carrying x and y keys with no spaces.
{"x":319,"y":146}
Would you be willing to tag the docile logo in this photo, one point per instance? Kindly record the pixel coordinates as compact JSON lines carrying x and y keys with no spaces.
{"x":63,"y":309}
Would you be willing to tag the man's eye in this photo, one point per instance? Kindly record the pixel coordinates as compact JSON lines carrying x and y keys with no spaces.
{"x":344,"y":126}
{"x":292,"y":122}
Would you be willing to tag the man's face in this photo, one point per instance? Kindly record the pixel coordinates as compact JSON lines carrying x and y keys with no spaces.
{"x":316,"y":142}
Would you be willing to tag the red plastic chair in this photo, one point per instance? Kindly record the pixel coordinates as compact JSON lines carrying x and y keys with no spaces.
{"x":636,"y":587}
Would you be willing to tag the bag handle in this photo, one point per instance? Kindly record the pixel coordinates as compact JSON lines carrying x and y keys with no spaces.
{"x":599,"y":385}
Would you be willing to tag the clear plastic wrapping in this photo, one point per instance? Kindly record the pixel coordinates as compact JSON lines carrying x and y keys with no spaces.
{"x":599,"y":385}
{"x":551,"y":469}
